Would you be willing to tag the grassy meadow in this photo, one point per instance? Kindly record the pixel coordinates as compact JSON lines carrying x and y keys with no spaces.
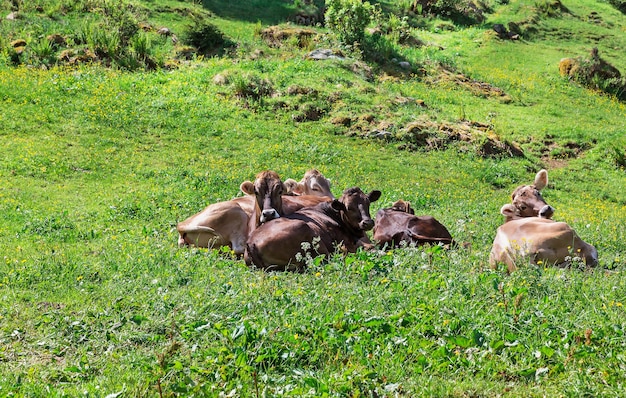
{"x":99,"y":162}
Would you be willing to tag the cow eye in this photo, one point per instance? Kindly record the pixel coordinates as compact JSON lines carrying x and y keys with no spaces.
{"x":522,"y":207}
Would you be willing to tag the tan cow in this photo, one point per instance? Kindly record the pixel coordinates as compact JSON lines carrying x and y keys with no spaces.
{"x":228,"y":223}
{"x":537,"y":239}
{"x":313,"y":183}
{"x":528,"y":200}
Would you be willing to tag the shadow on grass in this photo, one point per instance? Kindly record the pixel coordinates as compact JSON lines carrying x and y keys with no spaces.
{"x":268,"y":12}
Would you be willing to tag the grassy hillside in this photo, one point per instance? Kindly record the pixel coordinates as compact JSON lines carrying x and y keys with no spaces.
{"x":102,"y":158}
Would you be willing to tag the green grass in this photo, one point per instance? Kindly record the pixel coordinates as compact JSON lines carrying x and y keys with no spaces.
{"x":98,"y":165}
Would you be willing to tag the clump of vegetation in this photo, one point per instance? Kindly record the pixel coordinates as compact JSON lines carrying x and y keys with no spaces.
{"x":206,"y":37}
{"x":594,"y":72}
{"x":251,"y":87}
{"x":619,"y":157}
{"x":348,"y":19}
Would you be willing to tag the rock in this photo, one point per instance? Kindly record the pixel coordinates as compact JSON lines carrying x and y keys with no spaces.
{"x":323,"y":54}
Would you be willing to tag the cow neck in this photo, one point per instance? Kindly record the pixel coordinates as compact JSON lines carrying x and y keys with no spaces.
{"x":346,"y":225}
{"x":255,"y":219}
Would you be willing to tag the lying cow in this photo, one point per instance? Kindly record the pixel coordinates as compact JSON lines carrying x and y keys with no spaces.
{"x":271,"y":201}
{"x":313,"y":183}
{"x":528,"y":201}
{"x":399,"y":224}
{"x":282,"y":244}
{"x":228,"y":223}
{"x":538,"y":239}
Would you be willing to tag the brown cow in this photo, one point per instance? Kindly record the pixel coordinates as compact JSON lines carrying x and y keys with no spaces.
{"x":282,"y":244}
{"x":541,"y":240}
{"x":399,"y":224}
{"x":227,"y":223}
{"x":528,"y":200}
{"x":268,"y":190}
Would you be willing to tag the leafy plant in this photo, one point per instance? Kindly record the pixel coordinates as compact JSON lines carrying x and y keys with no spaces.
{"x":43,"y":51}
{"x":348,"y":19}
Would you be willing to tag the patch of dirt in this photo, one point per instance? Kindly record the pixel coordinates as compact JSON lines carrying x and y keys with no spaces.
{"x":476,"y":87}
{"x":561,"y":152}
{"x":468,"y":135}
{"x":277,"y":36}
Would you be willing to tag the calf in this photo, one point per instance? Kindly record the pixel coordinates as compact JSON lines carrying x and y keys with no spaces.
{"x":537,"y":239}
{"x":282,"y":244}
{"x":400,"y":224}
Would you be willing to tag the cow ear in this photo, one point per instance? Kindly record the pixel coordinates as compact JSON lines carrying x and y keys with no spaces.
{"x":247,"y":187}
{"x":337,"y":205}
{"x":409,"y":209}
{"x":508,"y":210}
{"x":292,"y":186}
{"x":374,"y":196}
{"x":541,"y":179}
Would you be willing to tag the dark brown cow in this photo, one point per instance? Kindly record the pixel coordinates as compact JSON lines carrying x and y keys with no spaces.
{"x":284,"y":243}
{"x":528,"y":200}
{"x":399,"y":224}
{"x":537,"y":239}
{"x":227,"y":223}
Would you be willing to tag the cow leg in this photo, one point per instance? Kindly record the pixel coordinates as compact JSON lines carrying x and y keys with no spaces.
{"x":587,"y":252}
{"x":238,"y":243}
{"x":181,"y":240}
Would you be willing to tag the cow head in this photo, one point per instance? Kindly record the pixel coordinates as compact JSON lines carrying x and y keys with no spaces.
{"x":511,"y":212}
{"x":354,"y":207}
{"x":268,"y":189}
{"x":313,"y":183}
{"x":403,"y":206}
{"x":528,"y":201}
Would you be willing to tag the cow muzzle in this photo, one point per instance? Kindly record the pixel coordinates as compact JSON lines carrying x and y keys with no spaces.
{"x":269,"y":215}
{"x":546,"y":211}
{"x":366,"y":224}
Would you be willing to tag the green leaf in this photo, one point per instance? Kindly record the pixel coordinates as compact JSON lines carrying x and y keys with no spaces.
{"x":138,"y":319}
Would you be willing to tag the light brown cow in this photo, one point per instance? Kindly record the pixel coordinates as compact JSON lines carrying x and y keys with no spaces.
{"x":281,"y":244}
{"x":313,"y":183}
{"x":227,"y":223}
{"x":399,"y":224}
{"x":537,"y":239}
{"x":528,"y":200}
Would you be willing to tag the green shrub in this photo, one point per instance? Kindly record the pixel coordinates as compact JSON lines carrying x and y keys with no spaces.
{"x":205,"y":37}
{"x":596,"y":73}
{"x":348,"y":19}
{"x":119,"y":17}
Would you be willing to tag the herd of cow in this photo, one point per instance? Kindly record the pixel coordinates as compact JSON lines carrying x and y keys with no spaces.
{"x":278,"y":225}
